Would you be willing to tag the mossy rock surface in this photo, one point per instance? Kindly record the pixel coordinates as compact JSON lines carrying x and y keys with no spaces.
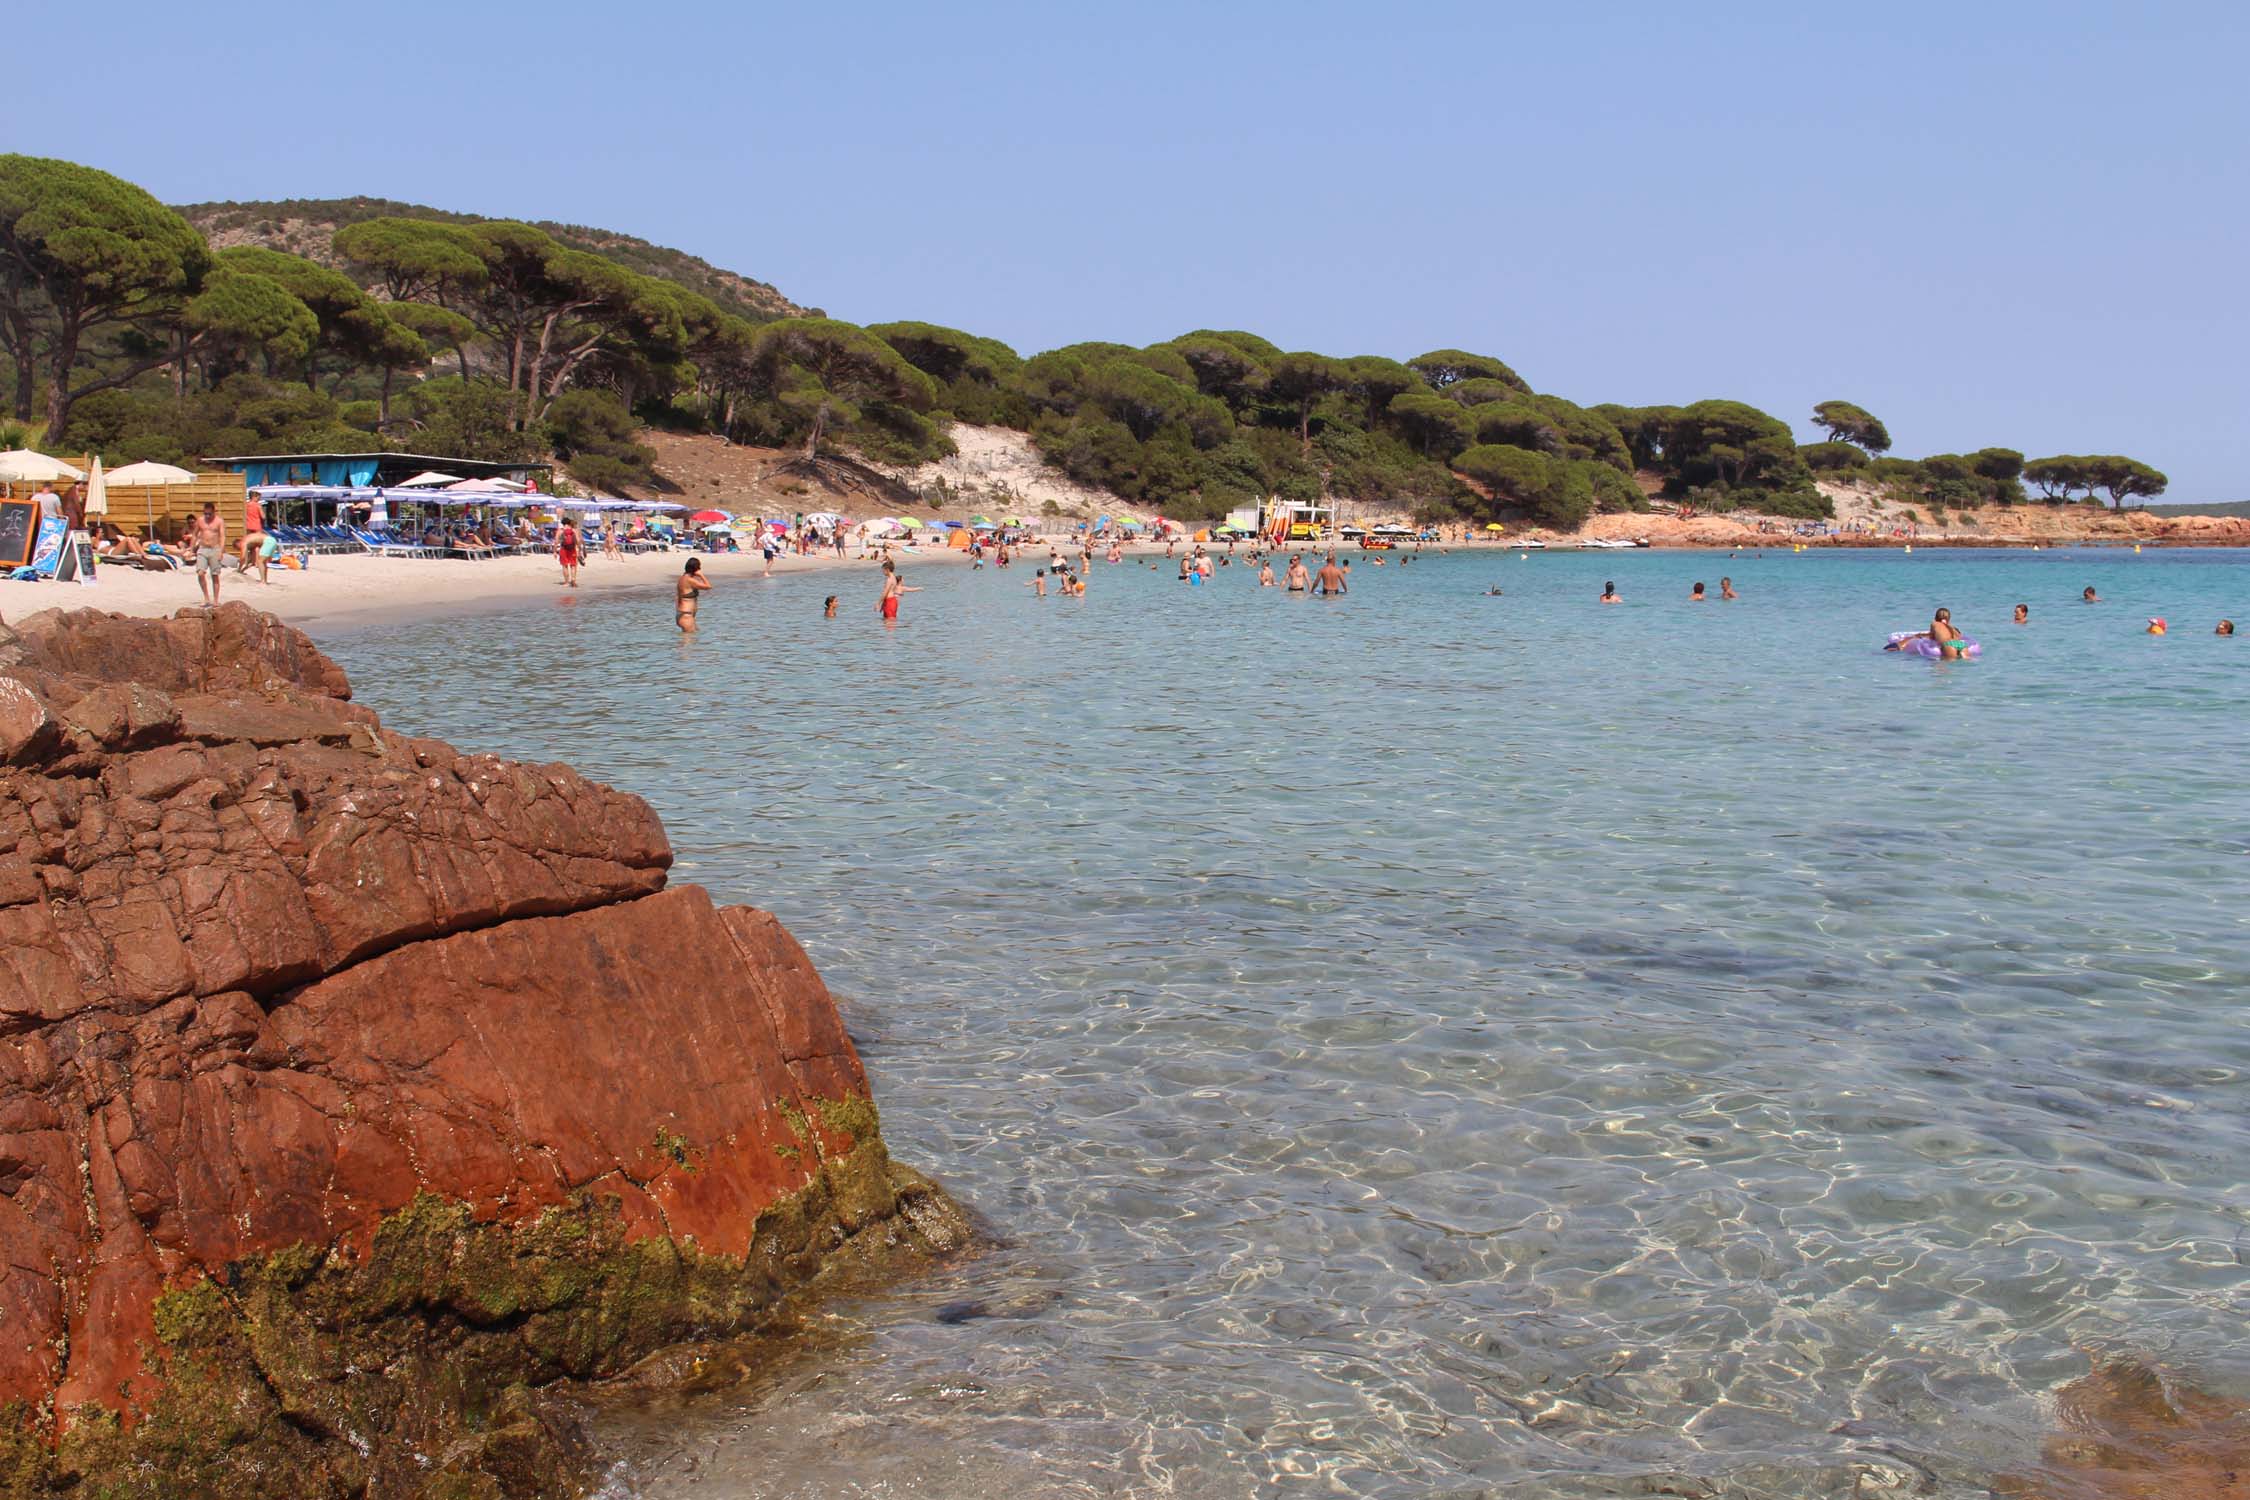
{"x":421,"y":1369}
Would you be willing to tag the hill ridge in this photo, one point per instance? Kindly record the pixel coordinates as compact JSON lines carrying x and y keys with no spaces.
{"x":307,"y":227}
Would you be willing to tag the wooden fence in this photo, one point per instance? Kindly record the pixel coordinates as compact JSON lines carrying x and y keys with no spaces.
{"x":163,"y":510}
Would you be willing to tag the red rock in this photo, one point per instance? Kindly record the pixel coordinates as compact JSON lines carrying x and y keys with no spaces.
{"x":2126,"y":1431}
{"x":271,"y":976}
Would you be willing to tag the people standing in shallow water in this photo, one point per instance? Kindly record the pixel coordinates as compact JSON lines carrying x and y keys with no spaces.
{"x":1695,"y":595}
{"x":1726,"y":589}
{"x":1265,"y":575}
{"x":893,"y":588}
{"x":828,"y":608}
{"x":1609,"y":594}
{"x":2023,"y":614}
{"x":1330,"y":579}
{"x":1299,"y":579}
{"x":692,"y":583}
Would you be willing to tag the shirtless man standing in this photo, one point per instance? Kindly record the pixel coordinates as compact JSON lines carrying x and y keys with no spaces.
{"x":1298,"y":580}
{"x":893,"y":588}
{"x":1330,"y":579}
{"x":207,"y":534}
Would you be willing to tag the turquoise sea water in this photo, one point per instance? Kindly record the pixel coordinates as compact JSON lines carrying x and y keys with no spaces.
{"x":1437,"y":1045}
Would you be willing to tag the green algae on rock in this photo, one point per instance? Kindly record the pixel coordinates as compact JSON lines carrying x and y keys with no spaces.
{"x":416,"y":1368}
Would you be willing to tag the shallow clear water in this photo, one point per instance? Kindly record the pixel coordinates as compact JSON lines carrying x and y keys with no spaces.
{"x":1439,"y":1045}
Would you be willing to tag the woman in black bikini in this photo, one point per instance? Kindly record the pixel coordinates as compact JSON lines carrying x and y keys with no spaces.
{"x":692,"y":583}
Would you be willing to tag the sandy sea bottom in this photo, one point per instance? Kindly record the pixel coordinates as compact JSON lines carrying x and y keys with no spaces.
{"x":1434,"y":1044}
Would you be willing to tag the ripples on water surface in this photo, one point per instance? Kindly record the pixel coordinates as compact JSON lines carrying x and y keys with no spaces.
{"x":1438,"y":1045}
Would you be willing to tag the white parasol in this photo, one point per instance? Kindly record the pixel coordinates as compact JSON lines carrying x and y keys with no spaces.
{"x":148,"y":473}
{"x":22,"y":466}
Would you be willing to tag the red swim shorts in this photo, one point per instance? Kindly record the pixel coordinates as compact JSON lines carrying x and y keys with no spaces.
{"x":890,"y":607}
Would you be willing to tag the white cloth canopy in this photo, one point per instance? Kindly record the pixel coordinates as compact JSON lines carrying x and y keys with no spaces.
{"x":22,"y":466}
{"x":428,"y":479}
{"x":147,"y":473}
{"x":512,"y":486}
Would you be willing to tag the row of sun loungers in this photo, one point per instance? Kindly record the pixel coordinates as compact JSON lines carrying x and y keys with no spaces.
{"x":398,"y":544}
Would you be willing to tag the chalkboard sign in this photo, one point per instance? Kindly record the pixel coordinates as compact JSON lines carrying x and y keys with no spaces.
{"x":79,"y":561}
{"x":18,"y":530}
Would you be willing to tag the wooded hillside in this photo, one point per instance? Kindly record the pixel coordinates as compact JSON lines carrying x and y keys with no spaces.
{"x":141,"y":331}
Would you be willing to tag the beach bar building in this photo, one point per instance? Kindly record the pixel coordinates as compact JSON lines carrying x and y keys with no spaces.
{"x":370,"y":470}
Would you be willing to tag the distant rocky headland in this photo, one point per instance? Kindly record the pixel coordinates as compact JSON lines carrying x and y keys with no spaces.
{"x":356,"y":1091}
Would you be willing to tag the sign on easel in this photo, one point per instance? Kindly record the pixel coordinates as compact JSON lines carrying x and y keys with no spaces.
{"x":47,"y":551}
{"x":78,"y":560}
{"x":19,"y":526}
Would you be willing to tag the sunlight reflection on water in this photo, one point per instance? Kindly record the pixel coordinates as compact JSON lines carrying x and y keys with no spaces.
{"x":1434,"y":1043}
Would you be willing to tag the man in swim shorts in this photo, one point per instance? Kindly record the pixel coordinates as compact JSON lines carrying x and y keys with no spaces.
{"x":207,"y":534}
{"x":893,"y":587}
{"x":1330,"y":579}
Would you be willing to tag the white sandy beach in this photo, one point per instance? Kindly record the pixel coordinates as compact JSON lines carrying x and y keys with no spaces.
{"x":355,"y":588}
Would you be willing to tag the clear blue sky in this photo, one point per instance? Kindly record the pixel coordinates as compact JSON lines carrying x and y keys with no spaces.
{"x":2016,"y":224}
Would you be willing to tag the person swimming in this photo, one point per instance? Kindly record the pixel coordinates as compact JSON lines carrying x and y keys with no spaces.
{"x":1695,"y":595}
{"x":1609,"y":594}
{"x":2226,"y":627}
{"x":1942,"y":632}
{"x":2090,"y":597}
{"x":2023,"y":614}
{"x":1726,"y":588}
{"x":1493,"y":592}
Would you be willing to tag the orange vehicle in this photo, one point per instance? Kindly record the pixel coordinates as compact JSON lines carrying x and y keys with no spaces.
{"x":1375,"y":544}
